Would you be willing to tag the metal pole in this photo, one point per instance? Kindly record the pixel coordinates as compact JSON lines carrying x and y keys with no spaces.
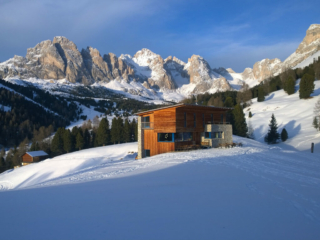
{"x":312,"y":147}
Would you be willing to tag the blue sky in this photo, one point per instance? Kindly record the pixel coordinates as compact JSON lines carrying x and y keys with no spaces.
{"x":232,"y":34}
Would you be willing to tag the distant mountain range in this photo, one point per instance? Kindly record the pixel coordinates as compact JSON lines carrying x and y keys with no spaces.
{"x":146,"y":75}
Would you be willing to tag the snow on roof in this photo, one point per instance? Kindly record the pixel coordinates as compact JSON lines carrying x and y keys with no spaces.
{"x":37,"y":153}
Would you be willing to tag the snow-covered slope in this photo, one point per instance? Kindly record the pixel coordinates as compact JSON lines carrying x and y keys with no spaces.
{"x":291,"y":112}
{"x":308,"y":60}
{"x":253,"y":192}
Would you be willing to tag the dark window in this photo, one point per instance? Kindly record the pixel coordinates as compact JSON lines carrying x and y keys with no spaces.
{"x":211,"y":118}
{"x":221,"y":118}
{"x":178,"y":137}
{"x":147,"y":153}
{"x":185,"y":119}
{"x":203,"y":123}
{"x":165,"y":137}
{"x":187,"y":136}
{"x":194,"y":120}
{"x":146,"y":119}
{"x":207,"y":134}
{"x":182,"y":137}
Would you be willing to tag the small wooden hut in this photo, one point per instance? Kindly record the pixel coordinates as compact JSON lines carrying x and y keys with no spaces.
{"x":31,"y":157}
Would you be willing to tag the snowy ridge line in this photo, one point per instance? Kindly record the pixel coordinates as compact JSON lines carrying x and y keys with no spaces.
{"x":30,"y":100}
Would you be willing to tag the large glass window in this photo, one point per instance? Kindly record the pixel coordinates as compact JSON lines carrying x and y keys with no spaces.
{"x":217,"y":135}
{"x":165,"y":137}
{"x":182,"y":137}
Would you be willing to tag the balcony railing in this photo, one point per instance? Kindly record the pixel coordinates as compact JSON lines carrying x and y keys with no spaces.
{"x":147,"y":125}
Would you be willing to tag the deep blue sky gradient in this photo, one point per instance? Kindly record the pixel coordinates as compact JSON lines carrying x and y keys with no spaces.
{"x":232,"y":34}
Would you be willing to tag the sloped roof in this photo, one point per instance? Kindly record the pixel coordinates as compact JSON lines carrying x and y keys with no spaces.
{"x":37,"y":153}
{"x":183,"y":105}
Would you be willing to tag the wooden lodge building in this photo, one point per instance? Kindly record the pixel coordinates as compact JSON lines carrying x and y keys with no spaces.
{"x":31,"y":157}
{"x":181,"y":127}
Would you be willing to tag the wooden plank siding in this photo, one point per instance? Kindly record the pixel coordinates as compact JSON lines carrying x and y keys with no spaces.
{"x":165,"y":121}
{"x":155,"y":147}
{"x":27,"y":158}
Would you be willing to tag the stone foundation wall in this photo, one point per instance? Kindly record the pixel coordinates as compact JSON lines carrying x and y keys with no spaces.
{"x":141,"y":153}
{"x":226,"y":136}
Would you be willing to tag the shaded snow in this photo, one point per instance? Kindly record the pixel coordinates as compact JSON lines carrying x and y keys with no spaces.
{"x":253,"y":192}
{"x":291,"y":112}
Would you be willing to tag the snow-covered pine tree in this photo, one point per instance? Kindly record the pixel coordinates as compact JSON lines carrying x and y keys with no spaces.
{"x":273,"y":135}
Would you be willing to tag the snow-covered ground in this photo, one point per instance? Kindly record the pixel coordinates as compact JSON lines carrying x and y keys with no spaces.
{"x":253,"y":192}
{"x":292,"y":113}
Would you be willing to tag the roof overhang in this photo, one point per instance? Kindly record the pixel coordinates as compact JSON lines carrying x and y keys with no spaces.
{"x":182,"y":105}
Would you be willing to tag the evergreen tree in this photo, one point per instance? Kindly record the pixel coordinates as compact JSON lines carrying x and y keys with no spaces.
{"x":67,"y":141}
{"x":2,"y":162}
{"x":260,"y":94}
{"x":284,"y":135}
{"x":126,"y":131}
{"x":315,"y":123}
{"x":103,"y":132}
{"x":120,"y":129}
{"x":114,"y":132}
{"x":290,"y":85}
{"x":239,"y":122}
{"x":228,"y":102}
{"x":79,"y":141}
{"x":57,"y":142}
{"x":134,"y":130}
{"x":273,"y":135}
{"x":87,"y":138}
{"x":306,"y":86}
{"x":250,"y":114}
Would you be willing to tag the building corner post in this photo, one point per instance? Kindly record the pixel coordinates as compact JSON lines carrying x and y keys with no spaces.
{"x":141,"y":152}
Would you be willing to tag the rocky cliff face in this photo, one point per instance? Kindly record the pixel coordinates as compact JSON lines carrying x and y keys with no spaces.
{"x":271,"y":67}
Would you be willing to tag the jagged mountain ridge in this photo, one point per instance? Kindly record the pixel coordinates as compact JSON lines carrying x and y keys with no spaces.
{"x":145,"y":74}
{"x":60,"y":59}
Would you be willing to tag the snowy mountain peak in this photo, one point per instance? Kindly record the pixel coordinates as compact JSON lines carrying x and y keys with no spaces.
{"x":313,"y":26}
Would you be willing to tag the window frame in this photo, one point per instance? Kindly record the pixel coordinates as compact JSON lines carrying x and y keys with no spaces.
{"x":172,"y":134}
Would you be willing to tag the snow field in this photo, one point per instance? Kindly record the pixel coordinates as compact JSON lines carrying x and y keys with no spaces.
{"x":292,"y":113}
{"x":253,"y":192}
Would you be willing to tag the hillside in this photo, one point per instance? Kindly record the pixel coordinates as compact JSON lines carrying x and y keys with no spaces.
{"x":255,"y":192}
{"x":295,"y":114}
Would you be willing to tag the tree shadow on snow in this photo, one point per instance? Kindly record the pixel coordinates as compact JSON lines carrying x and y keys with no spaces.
{"x":269,"y":97}
{"x":291,"y":128}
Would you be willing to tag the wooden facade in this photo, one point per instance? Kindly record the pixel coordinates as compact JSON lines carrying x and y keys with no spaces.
{"x":29,"y":157}
{"x":181,"y":118}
